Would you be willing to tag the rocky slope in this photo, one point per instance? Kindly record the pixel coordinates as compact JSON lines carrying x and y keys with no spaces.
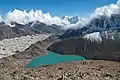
{"x":107,"y":49}
{"x":7,"y":32}
{"x":84,"y":70}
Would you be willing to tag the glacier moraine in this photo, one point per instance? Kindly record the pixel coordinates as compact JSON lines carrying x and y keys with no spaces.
{"x":10,"y":46}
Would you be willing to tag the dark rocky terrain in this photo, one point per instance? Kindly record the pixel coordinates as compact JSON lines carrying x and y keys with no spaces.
{"x":107,"y":49}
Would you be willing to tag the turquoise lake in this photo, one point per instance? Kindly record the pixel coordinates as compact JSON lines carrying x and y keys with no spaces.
{"x":53,"y":58}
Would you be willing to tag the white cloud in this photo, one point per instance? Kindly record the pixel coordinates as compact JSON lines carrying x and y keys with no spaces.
{"x":118,"y":2}
{"x":104,"y":10}
{"x":1,"y":18}
{"x":24,"y":17}
{"x":79,"y":24}
{"x":107,"y":10}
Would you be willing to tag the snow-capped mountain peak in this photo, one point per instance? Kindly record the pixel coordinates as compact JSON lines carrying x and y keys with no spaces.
{"x":24,"y":17}
{"x":65,"y":17}
{"x":72,"y":20}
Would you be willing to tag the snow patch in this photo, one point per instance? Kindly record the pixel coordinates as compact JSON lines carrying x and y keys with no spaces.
{"x":93,"y":36}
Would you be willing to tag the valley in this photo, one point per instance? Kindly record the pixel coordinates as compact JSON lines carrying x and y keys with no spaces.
{"x":60,"y":44}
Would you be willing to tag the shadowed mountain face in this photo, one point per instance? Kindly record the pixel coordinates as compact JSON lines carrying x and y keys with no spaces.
{"x":19,"y":30}
{"x":43,"y":28}
{"x":106,"y":50}
{"x":6,"y":32}
{"x":99,"y":24}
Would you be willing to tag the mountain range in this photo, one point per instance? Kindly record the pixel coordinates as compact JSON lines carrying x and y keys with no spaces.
{"x":17,"y":23}
{"x":104,"y":20}
{"x":7,"y":32}
{"x":101,"y":24}
{"x":25,"y":17}
{"x":98,"y":38}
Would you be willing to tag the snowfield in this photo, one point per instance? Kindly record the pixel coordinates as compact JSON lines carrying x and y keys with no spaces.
{"x":10,"y":46}
{"x":93,"y":36}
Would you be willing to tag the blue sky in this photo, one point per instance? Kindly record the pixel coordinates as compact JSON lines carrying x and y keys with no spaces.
{"x":55,"y":7}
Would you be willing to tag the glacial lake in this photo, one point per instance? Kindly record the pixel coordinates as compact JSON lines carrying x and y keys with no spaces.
{"x":52,"y":58}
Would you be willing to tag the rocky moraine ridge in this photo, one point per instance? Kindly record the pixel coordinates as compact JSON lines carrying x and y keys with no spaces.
{"x":83,"y":70}
{"x":11,"y":46}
